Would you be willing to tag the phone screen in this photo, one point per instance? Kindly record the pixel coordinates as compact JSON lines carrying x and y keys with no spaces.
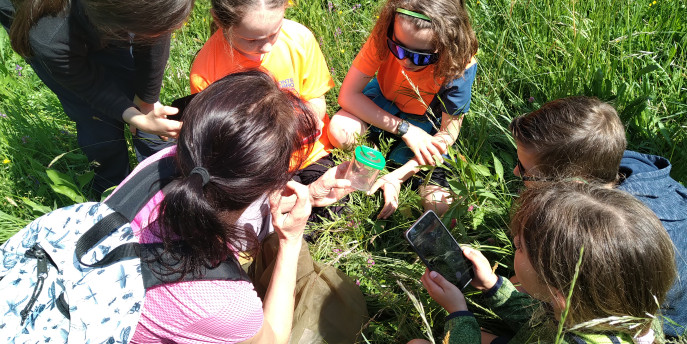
{"x":438,"y":249}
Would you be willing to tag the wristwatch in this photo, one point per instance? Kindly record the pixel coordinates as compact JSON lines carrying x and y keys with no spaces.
{"x":402,"y":128}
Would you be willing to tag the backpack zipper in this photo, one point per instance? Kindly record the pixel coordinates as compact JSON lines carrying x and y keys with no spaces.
{"x":37,"y":252}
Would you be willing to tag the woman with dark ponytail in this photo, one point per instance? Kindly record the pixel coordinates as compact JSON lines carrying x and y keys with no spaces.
{"x":105,"y":61}
{"x":234,"y":149}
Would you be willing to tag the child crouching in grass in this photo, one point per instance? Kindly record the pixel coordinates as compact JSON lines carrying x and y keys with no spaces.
{"x":627,"y":267}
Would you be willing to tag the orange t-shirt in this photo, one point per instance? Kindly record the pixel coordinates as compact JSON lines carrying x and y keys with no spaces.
{"x":394,"y":85}
{"x":295,"y":61}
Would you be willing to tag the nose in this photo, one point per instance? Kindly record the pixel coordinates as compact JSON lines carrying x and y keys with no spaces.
{"x":516,"y":171}
{"x":266,"y":48}
{"x":406,"y":63}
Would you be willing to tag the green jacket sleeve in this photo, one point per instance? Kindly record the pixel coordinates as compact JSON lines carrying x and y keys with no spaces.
{"x":513,"y":307}
{"x":461,"y":327}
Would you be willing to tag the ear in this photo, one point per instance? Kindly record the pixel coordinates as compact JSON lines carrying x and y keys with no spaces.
{"x":558,"y":302}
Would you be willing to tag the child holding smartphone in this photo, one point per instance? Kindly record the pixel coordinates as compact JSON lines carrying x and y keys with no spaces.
{"x":627,"y":268}
{"x":422,"y":53}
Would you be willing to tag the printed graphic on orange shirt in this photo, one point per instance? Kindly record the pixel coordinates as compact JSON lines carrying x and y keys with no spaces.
{"x":288,"y":84}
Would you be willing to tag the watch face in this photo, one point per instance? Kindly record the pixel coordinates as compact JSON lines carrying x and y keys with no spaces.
{"x":403,"y":127}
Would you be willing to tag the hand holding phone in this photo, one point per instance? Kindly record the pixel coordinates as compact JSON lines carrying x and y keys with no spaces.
{"x":438,"y":250}
{"x":483,"y":277}
{"x":444,"y":292}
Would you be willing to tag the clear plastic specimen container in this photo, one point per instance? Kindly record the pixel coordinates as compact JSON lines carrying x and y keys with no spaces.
{"x":363,"y":170}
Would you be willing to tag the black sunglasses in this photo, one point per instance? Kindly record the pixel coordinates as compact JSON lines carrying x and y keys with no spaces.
{"x":401,"y":52}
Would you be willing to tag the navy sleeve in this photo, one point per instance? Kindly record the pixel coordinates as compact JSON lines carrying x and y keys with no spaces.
{"x":454,"y":98}
{"x":150,"y":59}
{"x":63,"y":50}
{"x":6,"y":14}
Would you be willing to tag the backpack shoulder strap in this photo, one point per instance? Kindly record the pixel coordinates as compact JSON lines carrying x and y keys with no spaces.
{"x":126,"y":202}
{"x":131,"y":196}
{"x":159,"y":267}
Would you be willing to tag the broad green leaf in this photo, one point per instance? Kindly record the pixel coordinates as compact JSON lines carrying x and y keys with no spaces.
{"x":498,"y":167}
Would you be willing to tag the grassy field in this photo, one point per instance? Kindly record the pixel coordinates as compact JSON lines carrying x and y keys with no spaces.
{"x":631,"y":54}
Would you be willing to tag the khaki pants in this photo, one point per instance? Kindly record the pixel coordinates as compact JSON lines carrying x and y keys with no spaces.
{"x":329,"y":307}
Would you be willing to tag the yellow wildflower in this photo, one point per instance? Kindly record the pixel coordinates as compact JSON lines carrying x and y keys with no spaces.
{"x":6,"y":161}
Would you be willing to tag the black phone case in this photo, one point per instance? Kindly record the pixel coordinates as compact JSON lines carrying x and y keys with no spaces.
{"x":469,"y":271}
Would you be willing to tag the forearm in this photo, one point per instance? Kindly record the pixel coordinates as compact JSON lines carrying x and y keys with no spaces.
{"x":462,"y":327}
{"x":362,"y":107}
{"x":450,"y":128}
{"x":318,"y":106}
{"x":407,"y":170}
{"x":353,"y":101}
{"x":279,"y":300}
{"x":132,"y":116}
{"x":514,"y":307}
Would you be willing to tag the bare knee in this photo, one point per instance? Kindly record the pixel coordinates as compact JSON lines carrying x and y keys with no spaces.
{"x":418,"y":341}
{"x":435,"y":198}
{"x":344,"y":129}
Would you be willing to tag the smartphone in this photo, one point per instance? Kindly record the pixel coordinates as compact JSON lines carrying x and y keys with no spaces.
{"x":437,"y":248}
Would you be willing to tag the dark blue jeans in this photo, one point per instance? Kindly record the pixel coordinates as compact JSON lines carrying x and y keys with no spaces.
{"x":102,"y":139}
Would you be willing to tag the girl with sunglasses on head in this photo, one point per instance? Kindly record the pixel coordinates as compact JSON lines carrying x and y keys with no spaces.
{"x":422,"y":53}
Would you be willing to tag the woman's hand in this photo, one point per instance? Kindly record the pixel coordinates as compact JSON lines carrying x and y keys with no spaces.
{"x":424,"y":146}
{"x":330,"y":187}
{"x":392,"y":189}
{"x":444,"y":292}
{"x":290,"y":224}
{"x":484,"y":277}
{"x":155,"y":121}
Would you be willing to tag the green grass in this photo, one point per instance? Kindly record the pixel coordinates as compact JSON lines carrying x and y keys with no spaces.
{"x":631,"y":54}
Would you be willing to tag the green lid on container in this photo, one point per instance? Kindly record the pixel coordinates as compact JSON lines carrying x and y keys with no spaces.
{"x":370,"y":157}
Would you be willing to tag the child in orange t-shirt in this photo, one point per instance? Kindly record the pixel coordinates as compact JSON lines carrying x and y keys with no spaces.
{"x":432,"y":44}
{"x":256,"y":35}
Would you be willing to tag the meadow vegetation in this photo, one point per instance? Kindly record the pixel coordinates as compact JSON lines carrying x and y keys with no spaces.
{"x":632,"y":54}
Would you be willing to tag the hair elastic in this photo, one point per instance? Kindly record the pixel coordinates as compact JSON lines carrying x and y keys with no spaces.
{"x":202,"y":172}
{"x":413,"y":14}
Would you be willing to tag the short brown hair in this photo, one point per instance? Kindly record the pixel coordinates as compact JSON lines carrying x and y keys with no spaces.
{"x":573,"y":137}
{"x":628,"y":256}
{"x":454,"y":38}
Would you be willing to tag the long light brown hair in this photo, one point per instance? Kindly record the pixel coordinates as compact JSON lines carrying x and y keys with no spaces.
{"x":628,"y":264}
{"x":454,"y":38}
